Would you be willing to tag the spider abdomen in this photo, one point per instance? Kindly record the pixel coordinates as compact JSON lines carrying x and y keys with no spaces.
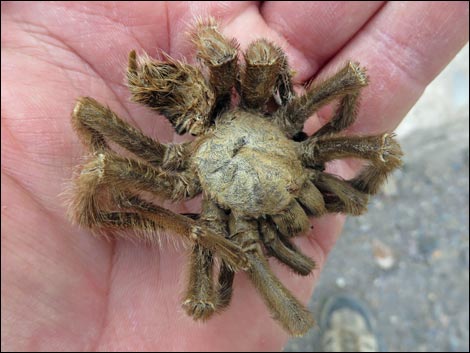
{"x":248,"y":165}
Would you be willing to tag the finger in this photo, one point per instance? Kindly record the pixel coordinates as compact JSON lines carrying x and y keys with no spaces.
{"x":317,"y":29}
{"x":403,"y":48}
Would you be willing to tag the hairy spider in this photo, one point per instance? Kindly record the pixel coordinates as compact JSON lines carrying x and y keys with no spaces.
{"x":260,"y":176}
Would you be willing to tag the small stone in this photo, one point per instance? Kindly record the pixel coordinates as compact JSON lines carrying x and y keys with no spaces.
{"x":383,"y":255}
{"x":341,"y":282}
{"x":393,"y":319}
{"x":436,"y":254}
{"x":432,"y":297}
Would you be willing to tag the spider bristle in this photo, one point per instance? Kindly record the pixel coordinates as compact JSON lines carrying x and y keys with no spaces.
{"x":212,"y":47}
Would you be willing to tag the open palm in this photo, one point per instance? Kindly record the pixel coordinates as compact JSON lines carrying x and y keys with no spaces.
{"x":65,"y":290}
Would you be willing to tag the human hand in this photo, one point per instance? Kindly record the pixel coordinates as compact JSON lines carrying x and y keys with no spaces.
{"x":65,"y":290}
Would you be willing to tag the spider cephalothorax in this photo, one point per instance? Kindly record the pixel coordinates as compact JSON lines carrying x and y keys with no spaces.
{"x":260,"y":176}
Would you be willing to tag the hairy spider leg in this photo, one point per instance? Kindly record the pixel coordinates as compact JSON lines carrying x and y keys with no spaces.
{"x":292,"y":221}
{"x":220,"y":55}
{"x":281,"y":248}
{"x":345,"y":115}
{"x":225,"y":282}
{"x":94,"y":123}
{"x":284,"y":307}
{"x":277,"y":229}
{"x":201,"y":298}
{"x":382,"y":151}
{"x":345,"y":84}
{"x":128,"y":174}
{"x":311,"y":199}
{"x":339,"y":195}
{"x":198,"y":232}
{"x":371,"y":178}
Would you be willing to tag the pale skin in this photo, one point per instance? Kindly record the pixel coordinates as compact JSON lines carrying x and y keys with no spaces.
{"x":62,"y":289}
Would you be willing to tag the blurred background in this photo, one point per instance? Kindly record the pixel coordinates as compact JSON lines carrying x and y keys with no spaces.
{"x":407,"y":259}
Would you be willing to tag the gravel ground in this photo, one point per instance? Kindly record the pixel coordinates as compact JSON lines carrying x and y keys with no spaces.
{"x":407,"y":259}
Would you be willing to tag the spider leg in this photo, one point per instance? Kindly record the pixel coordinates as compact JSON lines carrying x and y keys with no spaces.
{"x":201,"y":299}
{"x":219,"y":54}
{"x":292,"y":221}
{"x":177,"y":90}
{"x":285,"y":87}
{"x":345,"y":115}
{"x":215,"y":219}
{"x":346,"y":84}
{"x":266,"y":69}
{"x":382,"y":152}
{"x":284,"y":307}
{"x":225,"y":280}
{"x":339,"y":195}
{"x":311,"y":199}
{"x":374,"y":175}
{"x":102,"y":191}
{"x":126,"y":173}
{"x":281,"y":248}
{"x":95,"y":123}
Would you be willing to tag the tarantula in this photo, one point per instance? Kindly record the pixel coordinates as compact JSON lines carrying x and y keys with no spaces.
{"x":259,"y":175}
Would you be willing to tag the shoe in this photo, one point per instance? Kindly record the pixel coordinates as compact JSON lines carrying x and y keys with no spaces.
{"x":346,"y":326}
